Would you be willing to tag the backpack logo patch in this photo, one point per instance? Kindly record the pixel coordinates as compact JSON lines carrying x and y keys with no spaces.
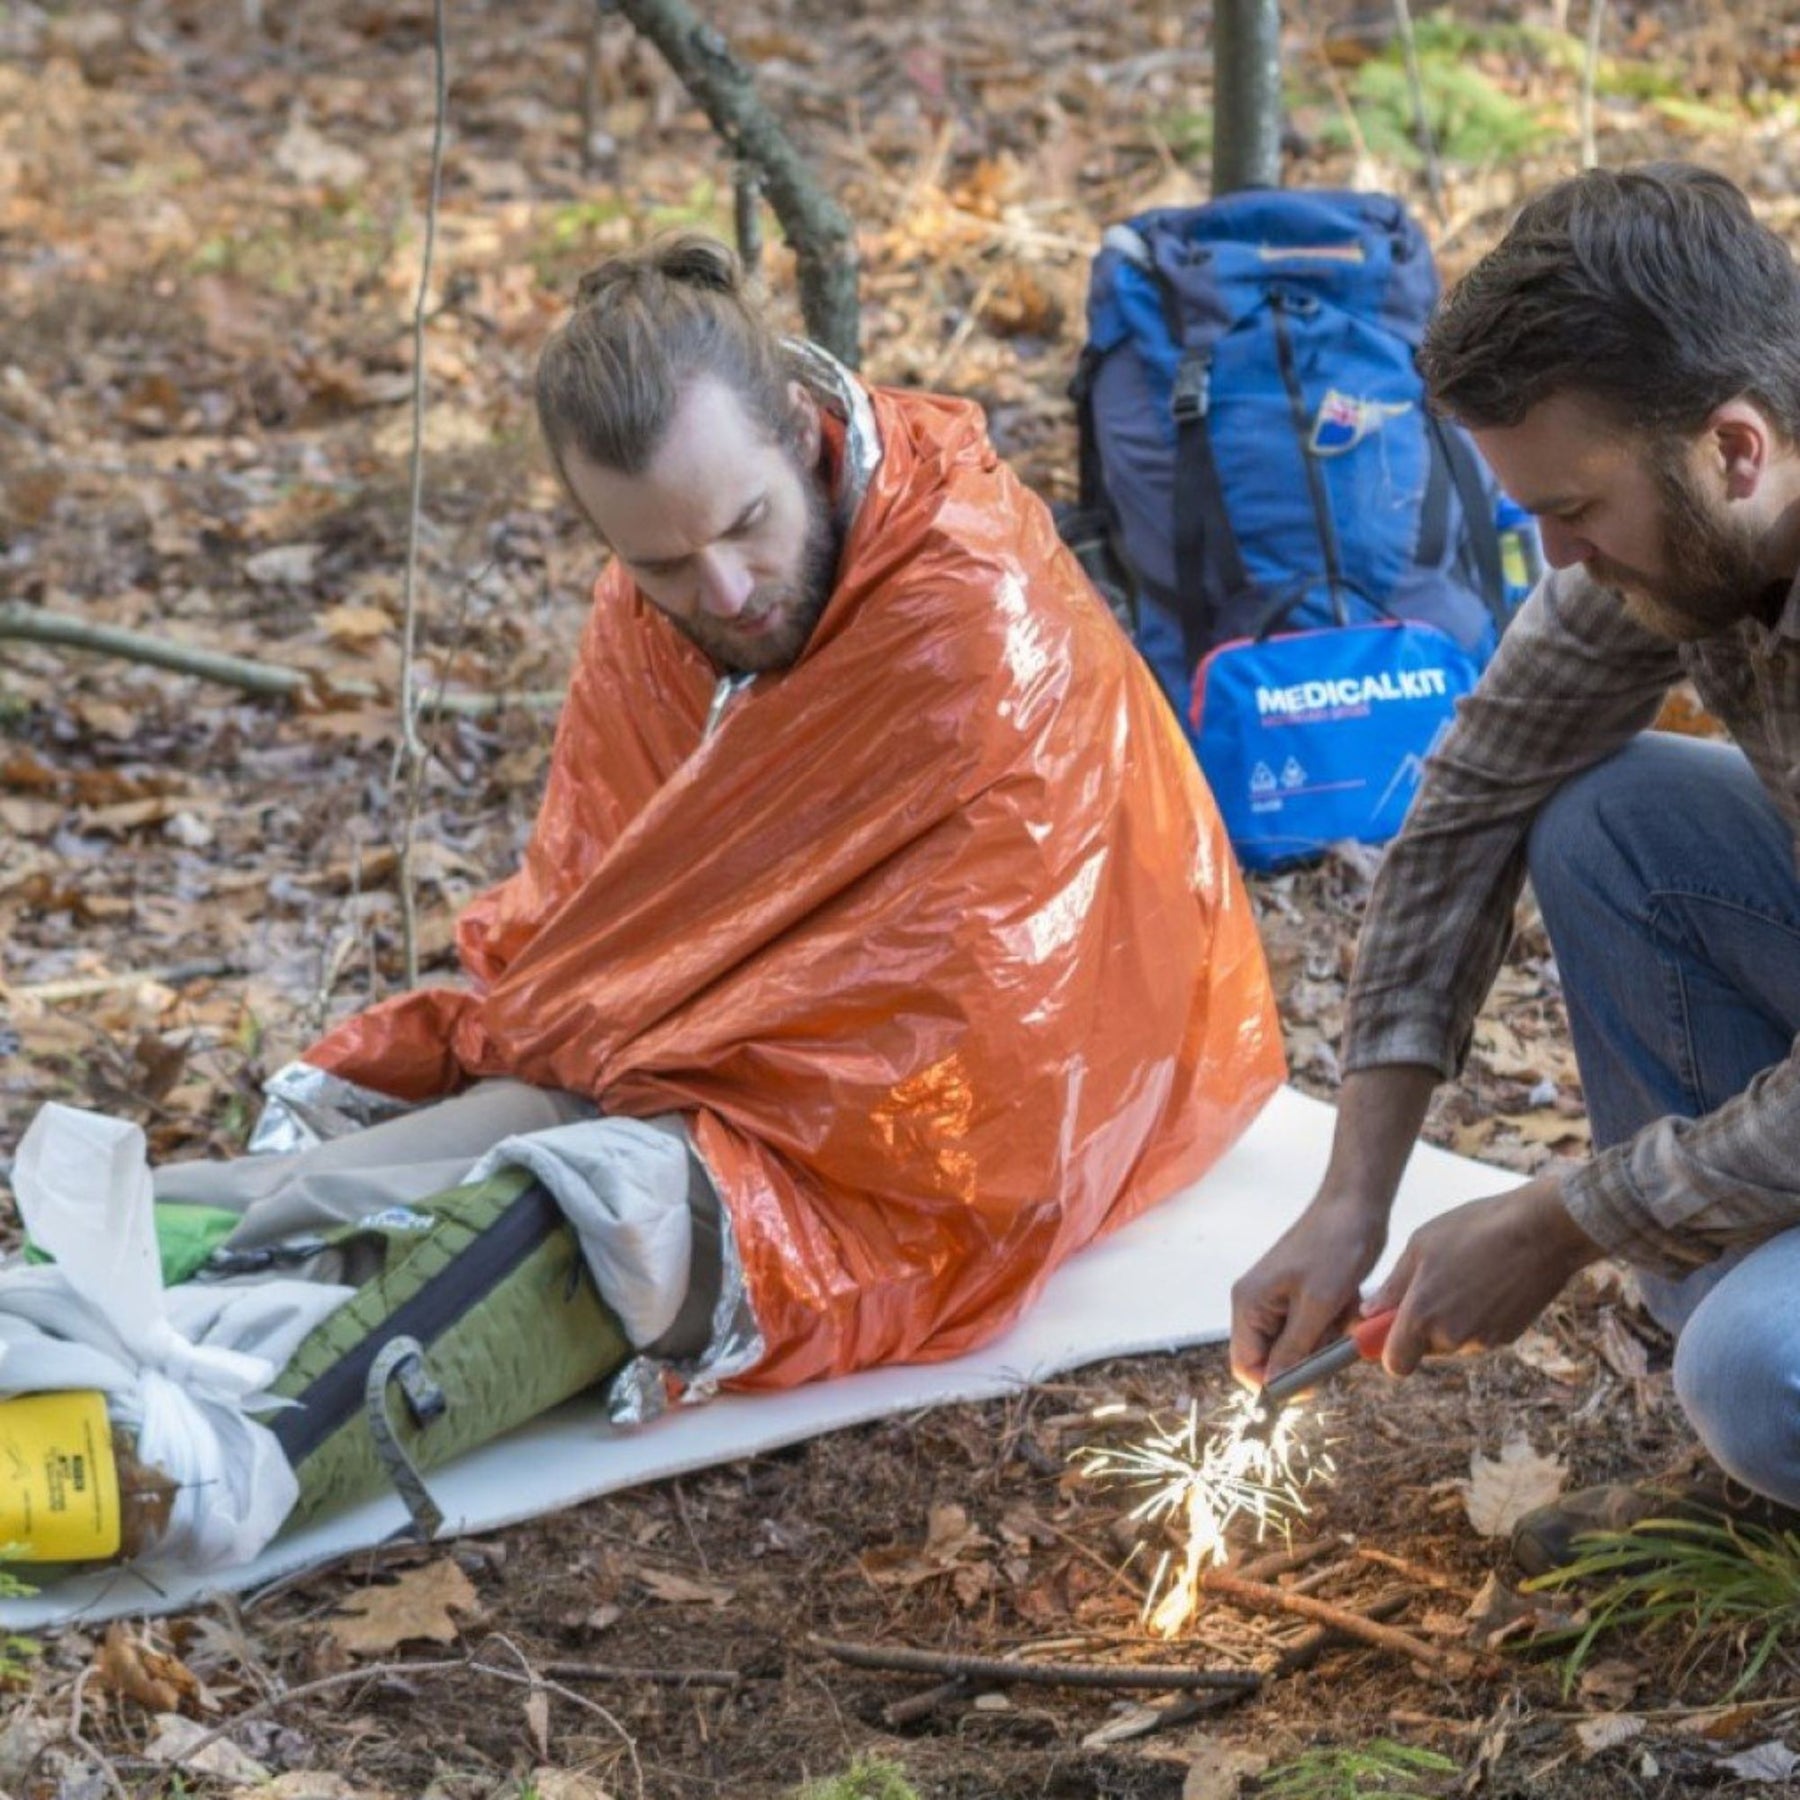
{"x":1344,"y":420}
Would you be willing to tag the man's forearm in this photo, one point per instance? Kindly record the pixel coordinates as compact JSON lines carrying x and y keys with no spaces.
{"x":1380,"y":1111}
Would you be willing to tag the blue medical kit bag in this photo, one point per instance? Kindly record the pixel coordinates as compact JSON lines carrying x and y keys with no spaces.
{"x":1259,"y":470}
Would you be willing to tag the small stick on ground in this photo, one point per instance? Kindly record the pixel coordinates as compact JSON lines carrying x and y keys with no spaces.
{"x":1300,"y":1654}
{"x":995,"y":1668}
{"x":1413,"y":1571}
{"x":574,"y":1671}
{"x":1280,"y":1562}
{"x":922,"y":1705}
{"x":1261,"y":1597}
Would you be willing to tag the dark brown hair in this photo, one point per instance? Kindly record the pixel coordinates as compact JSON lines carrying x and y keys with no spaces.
{"x":1652,"y":289}
{"x":644,"y":325}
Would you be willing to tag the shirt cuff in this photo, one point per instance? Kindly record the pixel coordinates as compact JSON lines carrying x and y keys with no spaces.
{"x":1605,"y":1202}
{"x":1398,"y":1029}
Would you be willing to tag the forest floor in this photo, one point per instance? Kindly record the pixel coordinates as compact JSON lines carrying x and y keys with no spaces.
{"x":210,"y":235}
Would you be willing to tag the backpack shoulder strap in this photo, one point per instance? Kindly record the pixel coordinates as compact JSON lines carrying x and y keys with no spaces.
{"x":1478,"y":512}
{"x":1209,"y":567}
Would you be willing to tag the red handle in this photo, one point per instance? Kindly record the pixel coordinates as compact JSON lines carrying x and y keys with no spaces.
{"x":1370,"y":1335}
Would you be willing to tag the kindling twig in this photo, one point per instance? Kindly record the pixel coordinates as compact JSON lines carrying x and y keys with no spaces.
{"x":1301,"y":1654}
{"x":1004,"y":1668}
{"x":1261,"y":1597}
{"x":1412,"y":1571}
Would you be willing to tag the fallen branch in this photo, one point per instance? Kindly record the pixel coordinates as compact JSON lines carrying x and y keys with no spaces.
{"x":38,"y":624}
{"x":1260,"y":1597}
{"x":86,"y":987}
{"x":820,"y":231}
{"x":1003,"y":1668}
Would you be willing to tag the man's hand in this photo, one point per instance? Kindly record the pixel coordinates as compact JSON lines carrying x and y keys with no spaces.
{"x":1479,"y":1275}
{"x":1304,"y":1289}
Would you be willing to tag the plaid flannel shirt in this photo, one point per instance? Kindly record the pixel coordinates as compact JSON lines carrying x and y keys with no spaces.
{"x":1573,"y":680}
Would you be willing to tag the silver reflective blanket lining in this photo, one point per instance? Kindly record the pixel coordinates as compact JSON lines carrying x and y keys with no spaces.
{"x":305,"y":1106}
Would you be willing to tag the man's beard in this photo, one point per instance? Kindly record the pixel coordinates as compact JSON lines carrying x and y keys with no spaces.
{"x":1712,"y":575}
{"x":797,"y":605}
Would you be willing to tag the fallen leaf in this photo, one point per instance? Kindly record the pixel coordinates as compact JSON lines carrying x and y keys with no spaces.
{"x":1539,"y":1350}
{"x":564,"y":1784}
{"x":1504,"y":1052}
{"x":287,"y":565}
{"x":948,"y":1536}
{"x":1216,"y":1771}
{"x":1130,"y":1722}
{"x":1496,"y":1605}
{"x":1718,"y":1721}
{"x":355,"y":624}
{"x":1612,"y":1683}
{"x":174,"y":1739}
{"x":1548,"y":1127}
{"x":311,"y":158}
{"x":127,"y":815}
{"x":105,"y":716}
{"x":1772,"y":1761}
{"x":132,"y":1667}
{"x":537,"y":1719}
{"x":307,"y":1784}
{"x":680,"y":1590}
{"x":1624,"y":1351}
{"x":418,"y":1605}
{"x":1501,"y":1490}
{"x":1604,"y":1731}
{"x":189,"y":830}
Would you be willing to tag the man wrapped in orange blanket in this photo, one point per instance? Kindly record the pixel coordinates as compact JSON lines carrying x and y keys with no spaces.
{"x":870,"y":854}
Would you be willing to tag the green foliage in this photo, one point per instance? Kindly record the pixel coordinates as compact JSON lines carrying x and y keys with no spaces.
{"x":868,"y":1778}
{"x":1698,"y":115}
{"x":1472,"y":119}
{"x":1727,"y":1589}
{"x":16,"y":1653}
{"x":576,"y":236}
{"x":1381,"y":1770}
{"x":1187,"y":133}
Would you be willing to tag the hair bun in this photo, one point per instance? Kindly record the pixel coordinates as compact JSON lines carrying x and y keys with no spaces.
{"x":689,"y":258}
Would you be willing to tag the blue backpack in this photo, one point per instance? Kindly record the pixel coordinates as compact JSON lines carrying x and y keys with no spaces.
{"x":1257,"y":459}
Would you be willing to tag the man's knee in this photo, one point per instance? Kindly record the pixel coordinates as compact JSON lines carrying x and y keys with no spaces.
{"x":1737,"y":1375}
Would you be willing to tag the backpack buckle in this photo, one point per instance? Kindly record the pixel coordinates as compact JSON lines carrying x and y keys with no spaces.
{"x":1192,"y":395}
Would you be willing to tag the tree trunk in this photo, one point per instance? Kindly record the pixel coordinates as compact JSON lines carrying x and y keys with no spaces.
{"x":1246,"y":95}
{"x":819,"y":229}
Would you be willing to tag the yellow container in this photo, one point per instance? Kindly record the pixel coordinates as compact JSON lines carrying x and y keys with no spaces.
{"x":59,"y":1481}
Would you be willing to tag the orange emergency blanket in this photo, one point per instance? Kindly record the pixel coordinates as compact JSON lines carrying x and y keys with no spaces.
{"x":936,"y":936}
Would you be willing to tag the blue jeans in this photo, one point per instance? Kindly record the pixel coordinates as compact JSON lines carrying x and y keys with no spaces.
{"x":1667,"y":883}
